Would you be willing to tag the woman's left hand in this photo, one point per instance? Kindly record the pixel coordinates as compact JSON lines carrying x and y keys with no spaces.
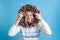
{"x":38,"y":16}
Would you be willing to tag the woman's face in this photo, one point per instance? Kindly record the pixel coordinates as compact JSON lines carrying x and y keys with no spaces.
{"x":29,"y":16}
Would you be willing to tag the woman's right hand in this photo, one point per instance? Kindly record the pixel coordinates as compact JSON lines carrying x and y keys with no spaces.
{"x":20,"y":15}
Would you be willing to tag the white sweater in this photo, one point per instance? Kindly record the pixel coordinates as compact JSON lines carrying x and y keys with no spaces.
{"x":32,"y":32}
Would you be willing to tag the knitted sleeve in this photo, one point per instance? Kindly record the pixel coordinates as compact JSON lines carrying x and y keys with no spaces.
{"x":44,"y":27}
{"x":14,"y":30}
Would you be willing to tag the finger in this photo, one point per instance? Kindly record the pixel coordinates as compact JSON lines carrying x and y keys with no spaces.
{"x":21,"y":12}
{"x":37,"y":14}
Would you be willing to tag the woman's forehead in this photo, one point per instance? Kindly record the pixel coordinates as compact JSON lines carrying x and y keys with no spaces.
{"x":29,"y":12}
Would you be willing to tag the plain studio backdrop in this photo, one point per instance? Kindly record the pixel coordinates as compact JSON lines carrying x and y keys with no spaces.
{"x":50,"y":11}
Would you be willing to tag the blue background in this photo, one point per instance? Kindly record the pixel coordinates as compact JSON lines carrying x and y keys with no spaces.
{"x":50,"y":11}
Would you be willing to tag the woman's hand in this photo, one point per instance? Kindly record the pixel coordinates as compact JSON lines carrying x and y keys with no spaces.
{"x":38,"y":16}
{"x":20,"y":15}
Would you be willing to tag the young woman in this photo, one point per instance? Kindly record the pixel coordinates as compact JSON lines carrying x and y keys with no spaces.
{"x":30,"y":22}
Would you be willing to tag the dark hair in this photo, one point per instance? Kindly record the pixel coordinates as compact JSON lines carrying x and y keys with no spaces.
{"x":26,"y":8}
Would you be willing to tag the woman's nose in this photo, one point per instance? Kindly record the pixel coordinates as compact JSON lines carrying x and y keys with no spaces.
{"x":28,"y":17}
